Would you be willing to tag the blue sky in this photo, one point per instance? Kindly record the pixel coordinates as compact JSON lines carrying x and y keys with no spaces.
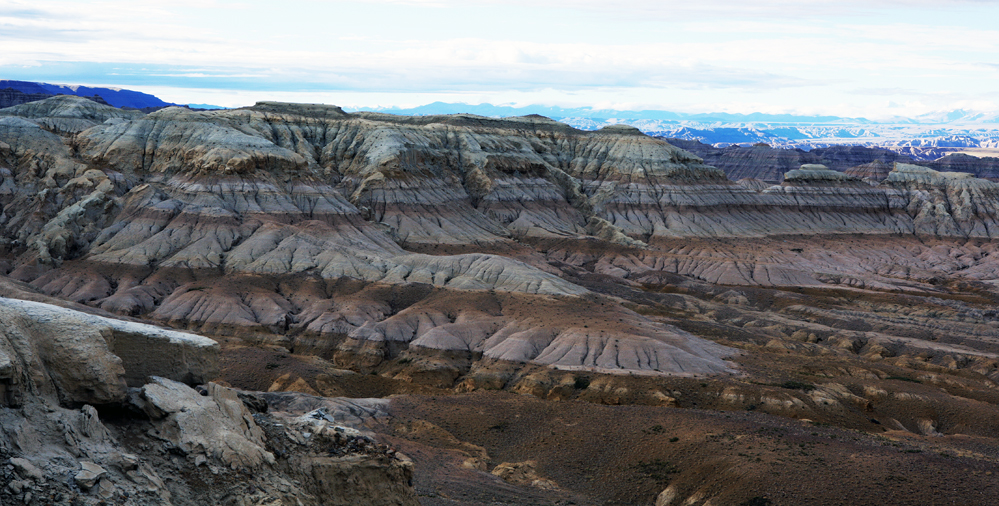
{"x":875,"y":58}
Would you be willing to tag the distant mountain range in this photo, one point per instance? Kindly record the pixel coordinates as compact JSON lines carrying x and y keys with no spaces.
{"x":924,"y":137}
{"x":578,"y":114}
{"x":114,"y":96}
{"x":960,"y":128}
{"x":604,"y":115}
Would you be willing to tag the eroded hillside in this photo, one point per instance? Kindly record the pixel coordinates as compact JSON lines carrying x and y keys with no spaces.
{"x":369,"y":254}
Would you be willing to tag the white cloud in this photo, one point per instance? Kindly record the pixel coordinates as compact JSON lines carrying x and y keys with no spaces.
{"x":714,"y":54}
{"x":717,"y":9}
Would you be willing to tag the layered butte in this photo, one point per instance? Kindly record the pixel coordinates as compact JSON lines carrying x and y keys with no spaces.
{"x":358,"y":236}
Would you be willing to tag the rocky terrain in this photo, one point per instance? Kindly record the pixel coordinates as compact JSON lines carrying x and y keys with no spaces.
{"x":96,"y":410}
{"x":769,"y":164}
{"x":776,"y":330}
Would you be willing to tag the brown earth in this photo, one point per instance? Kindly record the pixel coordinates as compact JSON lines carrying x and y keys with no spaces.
{"x":549,"y":307}
{"x":815,"y":417}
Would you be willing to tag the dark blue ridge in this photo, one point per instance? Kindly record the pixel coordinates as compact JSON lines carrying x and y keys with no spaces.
{"x":115,"y":97}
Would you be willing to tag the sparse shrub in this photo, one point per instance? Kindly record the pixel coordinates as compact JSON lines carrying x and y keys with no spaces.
{"x":271,"y":365}
{"x":674,"y":439}
{"x":581,"y":383}
{"x":657,"y":469}
{"x":405,"y":360}
{"x":756,"y":501}
{"x":903,"y":378}
{"x":797,"y":385}
{"x":657,"y":429}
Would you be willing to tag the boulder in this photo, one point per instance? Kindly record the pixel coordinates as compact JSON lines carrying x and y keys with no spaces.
{"x":26,"y":469}
{"x":524,"y":474}
{"x":216,"y":425}
{"x":87,"y":359}
{"x":88,"y":475}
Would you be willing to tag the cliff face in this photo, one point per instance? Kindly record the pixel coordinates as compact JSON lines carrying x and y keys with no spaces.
{"x":306,"y":221}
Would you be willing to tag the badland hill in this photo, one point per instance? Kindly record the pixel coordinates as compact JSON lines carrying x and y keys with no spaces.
{"x":743,"y":336}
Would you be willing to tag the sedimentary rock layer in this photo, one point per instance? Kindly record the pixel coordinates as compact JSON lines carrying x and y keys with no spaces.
{"x":297,"y":220}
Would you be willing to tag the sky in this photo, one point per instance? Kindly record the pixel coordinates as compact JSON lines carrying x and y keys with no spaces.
{"x":872,"y":58}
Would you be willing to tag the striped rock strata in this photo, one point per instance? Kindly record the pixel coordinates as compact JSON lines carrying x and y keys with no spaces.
{"x":298,"y":220}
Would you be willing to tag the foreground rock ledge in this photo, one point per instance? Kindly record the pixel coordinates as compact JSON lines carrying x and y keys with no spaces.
{"x":166,"y":442}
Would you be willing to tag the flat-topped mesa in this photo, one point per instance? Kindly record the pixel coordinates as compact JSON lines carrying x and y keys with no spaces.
{"x":983,"y":167}
{"x":313,"y":110}
{"x":817,"y":200}
{"x":917,"y":175}
{"x":817,"y":173}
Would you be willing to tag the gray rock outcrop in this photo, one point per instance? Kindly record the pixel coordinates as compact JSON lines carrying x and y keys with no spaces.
{"x":168,"y":443}
{"x":87,"y":359}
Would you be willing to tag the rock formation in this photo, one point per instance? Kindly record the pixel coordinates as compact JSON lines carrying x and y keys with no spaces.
{"x":300,"y":220}
{"x":61,"y":369}
{"x":82,"y":356}
{"x":284,"y":190}
{"x":336,"y":252}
